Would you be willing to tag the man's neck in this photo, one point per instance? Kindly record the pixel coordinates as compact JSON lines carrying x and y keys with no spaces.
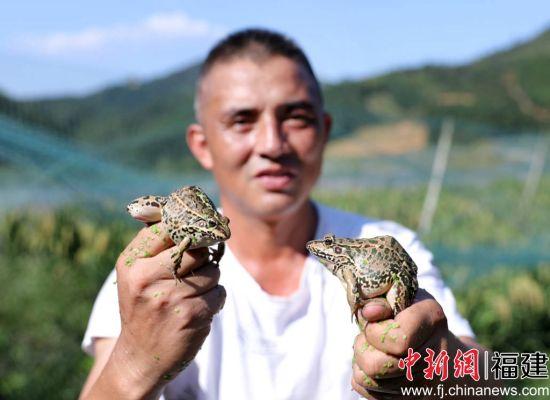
{"x":272,"y":251}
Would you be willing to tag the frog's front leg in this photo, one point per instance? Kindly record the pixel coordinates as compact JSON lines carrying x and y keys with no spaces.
{"x":352,"y":292}
{"x":177,"y":254}
{"x":218,"y":253}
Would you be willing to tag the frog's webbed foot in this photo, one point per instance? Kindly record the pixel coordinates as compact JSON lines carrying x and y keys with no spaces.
{"x":177,"y":255}
{"x":218,"y":253}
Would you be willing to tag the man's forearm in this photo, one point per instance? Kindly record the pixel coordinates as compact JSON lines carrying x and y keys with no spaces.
{"x":121,"y":379}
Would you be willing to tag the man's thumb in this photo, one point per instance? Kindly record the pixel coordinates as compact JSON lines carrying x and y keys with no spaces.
{"x":376,"y":310}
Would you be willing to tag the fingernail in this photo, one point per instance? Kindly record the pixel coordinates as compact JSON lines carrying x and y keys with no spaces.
{"x":375,"y":302}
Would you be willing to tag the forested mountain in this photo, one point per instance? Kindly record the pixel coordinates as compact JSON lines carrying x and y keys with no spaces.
{"x":509,"y":89}
{"x":143,"y":122}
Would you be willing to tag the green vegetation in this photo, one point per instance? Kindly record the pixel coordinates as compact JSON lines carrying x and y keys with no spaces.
{"x":52,"y":264}
{"x":51,"y":267}
{"x":510,"y":298}
{"x":465,"y":217}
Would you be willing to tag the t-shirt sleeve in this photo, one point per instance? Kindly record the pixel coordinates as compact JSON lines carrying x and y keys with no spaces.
{"x":104,"y":320}
{"x":429,"y":278}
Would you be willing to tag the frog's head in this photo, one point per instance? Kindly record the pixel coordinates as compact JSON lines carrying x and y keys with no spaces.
{"x":207,"y":229}
{"x":330,"y":251}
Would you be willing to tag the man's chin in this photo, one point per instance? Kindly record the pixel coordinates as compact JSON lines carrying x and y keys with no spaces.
{"x":275,"y":205}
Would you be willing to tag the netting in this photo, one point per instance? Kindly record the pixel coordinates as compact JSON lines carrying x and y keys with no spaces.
{"x":477,"y":225}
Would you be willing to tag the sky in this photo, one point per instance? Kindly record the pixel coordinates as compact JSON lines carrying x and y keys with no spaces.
{"x":54,"y":48}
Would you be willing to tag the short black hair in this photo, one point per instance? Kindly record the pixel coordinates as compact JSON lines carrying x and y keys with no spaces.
{"x":257,"y":43}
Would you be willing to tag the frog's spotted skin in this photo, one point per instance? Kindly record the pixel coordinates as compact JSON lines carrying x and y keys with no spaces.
{"x":189,"y":217}
{"x":369,"y":268}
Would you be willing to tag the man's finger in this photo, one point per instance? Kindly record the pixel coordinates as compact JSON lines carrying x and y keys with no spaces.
{"x":147,"y":271}
{"x":206,"y":306}
{"x":374,"y":388}
{"x":149,"y":242}
{"x":190,"y":261}
{"x":410,"y":328}
{"x":195,"y":284}
{"x":358,"y":384}
{"x":376,"y":310}
{"x":373,"y":362}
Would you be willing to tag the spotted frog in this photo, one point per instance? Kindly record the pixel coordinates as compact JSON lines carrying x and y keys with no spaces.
{"x":189,"y":217}
{"x":369,"y":268}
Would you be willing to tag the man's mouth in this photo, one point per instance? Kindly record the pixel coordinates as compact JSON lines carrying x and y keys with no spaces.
{"x":275,"y":179}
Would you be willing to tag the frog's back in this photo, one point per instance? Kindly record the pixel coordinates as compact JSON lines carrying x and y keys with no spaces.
{"x":185,"y":204}
{"x":387,"y":261}
{"x":388,"y":251}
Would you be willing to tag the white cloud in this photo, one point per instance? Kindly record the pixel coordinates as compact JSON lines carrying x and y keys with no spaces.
{"x":157,"y":27}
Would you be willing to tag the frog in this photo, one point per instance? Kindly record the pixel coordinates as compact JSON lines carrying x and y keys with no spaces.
{"x":369,"y":268}
{"x":189,"y":217}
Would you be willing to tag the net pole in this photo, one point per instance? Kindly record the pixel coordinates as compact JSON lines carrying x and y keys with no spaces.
{"x":436,"y":180}
{"x":534,"y":175}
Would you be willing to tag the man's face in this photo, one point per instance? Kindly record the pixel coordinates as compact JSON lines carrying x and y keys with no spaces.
{"x":264,"y":132}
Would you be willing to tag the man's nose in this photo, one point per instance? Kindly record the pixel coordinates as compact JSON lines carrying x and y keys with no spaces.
{"x":271,"y":141}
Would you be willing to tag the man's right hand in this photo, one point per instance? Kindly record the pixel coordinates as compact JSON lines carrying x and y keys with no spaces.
{"x":163,"y":323}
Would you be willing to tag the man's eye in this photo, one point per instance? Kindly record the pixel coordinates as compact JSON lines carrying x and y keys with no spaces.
{"x":242,"y":123}
{"x":300,"y":120}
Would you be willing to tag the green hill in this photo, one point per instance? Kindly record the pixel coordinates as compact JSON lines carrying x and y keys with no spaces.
{"x":140,"y":123}
{"x":509,"y":89}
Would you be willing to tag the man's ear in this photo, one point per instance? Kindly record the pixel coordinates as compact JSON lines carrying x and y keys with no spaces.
{"x":327,"y":126}
{"x":198,"y":144}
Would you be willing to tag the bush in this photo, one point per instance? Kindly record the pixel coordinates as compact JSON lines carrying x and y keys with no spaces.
{"x":51,"y":266}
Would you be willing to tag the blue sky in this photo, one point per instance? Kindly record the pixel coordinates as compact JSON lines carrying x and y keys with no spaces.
{"x":50,"y":48}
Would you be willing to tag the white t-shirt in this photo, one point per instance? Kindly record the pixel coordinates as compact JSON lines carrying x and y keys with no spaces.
{"x":269,"y":347}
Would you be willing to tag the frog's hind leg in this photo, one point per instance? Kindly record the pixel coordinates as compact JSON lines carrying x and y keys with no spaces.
{"x":177,"y":254}
{"x":218,"y":253}
{"x":397,"y":296}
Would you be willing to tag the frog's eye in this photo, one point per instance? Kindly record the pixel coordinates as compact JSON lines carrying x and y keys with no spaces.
{"x":338,"y":250}
{"x":329,"y":240}
{"x":211,"y":224}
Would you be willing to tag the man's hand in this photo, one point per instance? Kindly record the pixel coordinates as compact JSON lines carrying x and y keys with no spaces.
{"x":379,"y":347}
{"x":163,"y":323}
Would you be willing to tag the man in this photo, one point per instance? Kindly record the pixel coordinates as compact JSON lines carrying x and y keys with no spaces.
{"x":285,"y":330}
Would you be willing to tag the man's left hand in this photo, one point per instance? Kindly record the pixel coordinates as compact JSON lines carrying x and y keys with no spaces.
{"x":381,"y":344}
